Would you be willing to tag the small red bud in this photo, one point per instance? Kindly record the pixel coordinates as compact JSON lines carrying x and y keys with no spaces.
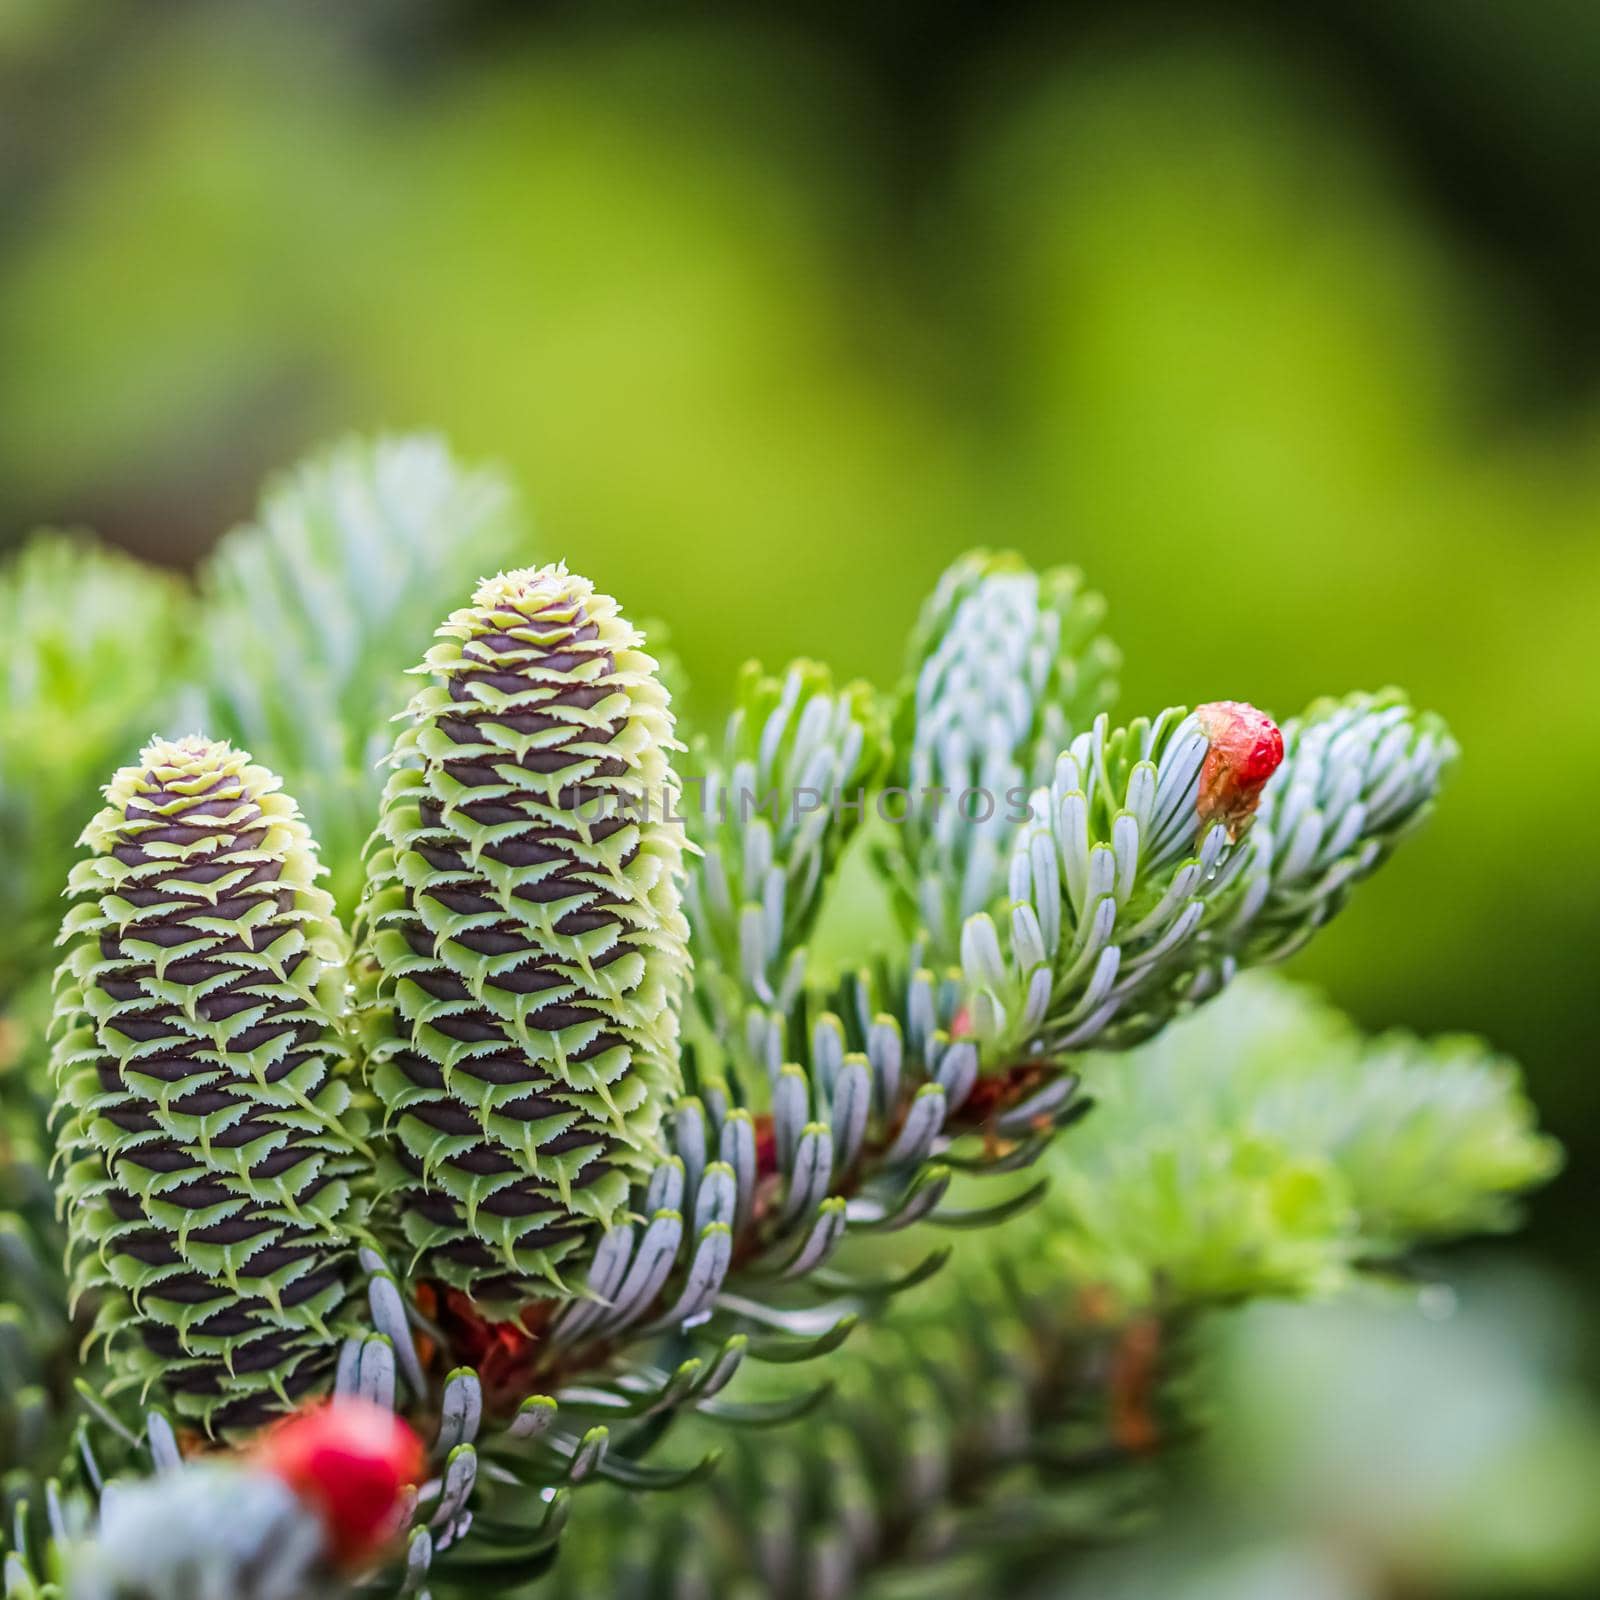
{"x":1246,"y":749}
{"x":348,"y":1461}
{"x":766,"y":1146}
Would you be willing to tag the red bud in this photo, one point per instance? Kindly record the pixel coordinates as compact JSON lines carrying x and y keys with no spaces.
{"x":348,"y":1461}
{"x":1246,"y":749}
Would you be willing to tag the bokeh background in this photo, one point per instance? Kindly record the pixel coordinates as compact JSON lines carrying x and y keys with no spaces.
{"x":1280,"y":321}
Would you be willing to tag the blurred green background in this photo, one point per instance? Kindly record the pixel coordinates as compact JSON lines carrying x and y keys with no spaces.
{"x":1281,"y":322}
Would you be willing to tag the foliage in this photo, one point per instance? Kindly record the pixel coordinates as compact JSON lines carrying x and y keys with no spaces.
{"x":36,"y":1356}
{"x":89,"y":644}
{"x":1193,"y":326}
{"x":765,"y":807}
{"x":1004,"y":1414}
{"x":1003,"y":667}
{"x":597,"y":1224}
{"x":1263,"y":1147}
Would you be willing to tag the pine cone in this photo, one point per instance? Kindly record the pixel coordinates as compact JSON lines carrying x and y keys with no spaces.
{"x":526,"y":950}
{"x":203,"y":1094}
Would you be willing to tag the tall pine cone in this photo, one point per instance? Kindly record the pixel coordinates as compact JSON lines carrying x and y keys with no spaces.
{"x":525,"y":950}
{"x":204,"y":1097}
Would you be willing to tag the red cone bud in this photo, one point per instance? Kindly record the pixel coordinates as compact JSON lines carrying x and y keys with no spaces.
{"x":349,"y":1461}
{"x":1246,"y":749}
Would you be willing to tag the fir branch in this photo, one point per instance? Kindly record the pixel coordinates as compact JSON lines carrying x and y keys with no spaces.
{"x":953,"y":1434}
{"x":998,"y":1416}
{"x":38,"y":1354}
{"x":727,"y":1262}
{"x":1263,"y":1146}
{"x":1359,"y":775}
{"x":1109,"y":880}
{"x":1127,"y":907}
{"x":211,"y":1532}
{"x":1005,"y":667}
{"x":1223,"y":1164}
{"x":88,"y":641}
{"x":1220,"y":1168}
{"x":772,"y":809}
{"x":807,"y":1122}
{"x":597,"y":1231}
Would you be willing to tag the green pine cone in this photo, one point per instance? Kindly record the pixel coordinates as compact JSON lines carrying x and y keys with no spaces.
{"x":525,"y":947}
{"x":204,"y":1097}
